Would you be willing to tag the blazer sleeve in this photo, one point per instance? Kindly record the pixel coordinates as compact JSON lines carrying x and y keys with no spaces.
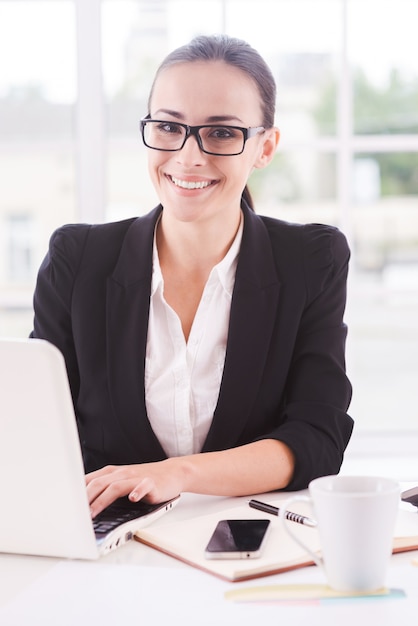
{"x":53,"y":295}
{"x":314,"y":422}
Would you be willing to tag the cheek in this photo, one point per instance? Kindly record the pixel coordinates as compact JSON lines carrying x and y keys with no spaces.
{"x":243,"y":170}
{"x":155,"y":161}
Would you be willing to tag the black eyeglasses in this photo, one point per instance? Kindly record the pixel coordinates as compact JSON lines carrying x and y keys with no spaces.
{"x":213,"y":139}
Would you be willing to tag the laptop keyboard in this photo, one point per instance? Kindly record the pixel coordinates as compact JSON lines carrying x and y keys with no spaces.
{"x":118,"y":513}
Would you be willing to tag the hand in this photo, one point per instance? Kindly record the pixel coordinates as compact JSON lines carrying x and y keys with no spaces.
{"x":153,"y":482}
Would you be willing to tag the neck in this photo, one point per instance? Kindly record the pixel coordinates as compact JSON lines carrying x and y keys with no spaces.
{"x":193,"y":245}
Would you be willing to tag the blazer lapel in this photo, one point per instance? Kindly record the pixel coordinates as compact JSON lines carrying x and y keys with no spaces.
{"x":128,"y":293}
{"x":253,"y":314}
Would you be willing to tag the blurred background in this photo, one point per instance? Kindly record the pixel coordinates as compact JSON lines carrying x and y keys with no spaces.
{"x":74,"y":81}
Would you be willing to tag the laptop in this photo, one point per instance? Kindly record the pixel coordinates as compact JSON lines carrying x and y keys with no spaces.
{"x":44,"y":508}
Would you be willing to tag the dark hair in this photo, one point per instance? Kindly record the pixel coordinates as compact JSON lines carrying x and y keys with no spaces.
{"x":234,"y":52}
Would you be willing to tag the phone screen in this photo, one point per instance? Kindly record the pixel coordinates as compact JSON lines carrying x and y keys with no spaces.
{"x":237,"y":539}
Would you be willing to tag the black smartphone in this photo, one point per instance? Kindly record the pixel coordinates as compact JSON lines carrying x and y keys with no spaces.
{"x":411,"y":496}
{"x":237,"y":539}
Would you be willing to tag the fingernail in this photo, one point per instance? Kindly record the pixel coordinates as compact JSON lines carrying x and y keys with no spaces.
{"x":133,"y":496}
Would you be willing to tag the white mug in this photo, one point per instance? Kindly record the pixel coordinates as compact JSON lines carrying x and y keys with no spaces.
{"x":356,"y":519}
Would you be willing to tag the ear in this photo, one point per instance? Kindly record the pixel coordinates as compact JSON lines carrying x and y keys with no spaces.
{"x":270,"y":141}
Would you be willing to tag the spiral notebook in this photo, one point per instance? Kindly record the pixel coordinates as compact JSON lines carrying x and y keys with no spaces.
{"x":186,"y":541}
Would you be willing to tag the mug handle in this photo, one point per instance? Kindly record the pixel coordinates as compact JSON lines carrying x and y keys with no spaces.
{"x":287,"y":527}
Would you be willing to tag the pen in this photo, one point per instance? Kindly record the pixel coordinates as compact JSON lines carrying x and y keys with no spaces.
{"x":273,"y":510}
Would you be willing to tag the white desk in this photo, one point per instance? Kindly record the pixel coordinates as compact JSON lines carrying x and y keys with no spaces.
{"x":137,"y":585}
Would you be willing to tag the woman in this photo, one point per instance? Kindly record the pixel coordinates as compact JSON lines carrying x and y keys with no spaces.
{"x":204,"y":344}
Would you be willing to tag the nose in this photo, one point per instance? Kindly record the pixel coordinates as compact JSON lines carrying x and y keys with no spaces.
{"x":191,"y":154}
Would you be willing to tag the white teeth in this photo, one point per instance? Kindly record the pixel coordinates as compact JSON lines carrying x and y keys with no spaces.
{"x":187,"y":184}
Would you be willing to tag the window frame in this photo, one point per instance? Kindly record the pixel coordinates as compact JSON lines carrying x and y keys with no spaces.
{"x":91,"y":142}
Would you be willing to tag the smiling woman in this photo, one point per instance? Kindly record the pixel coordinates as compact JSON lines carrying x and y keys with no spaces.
{"x":215,"y":361}
{"x":347,"y":156}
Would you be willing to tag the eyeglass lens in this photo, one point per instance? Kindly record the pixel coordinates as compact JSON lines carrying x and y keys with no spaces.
{"x":225,"y":140}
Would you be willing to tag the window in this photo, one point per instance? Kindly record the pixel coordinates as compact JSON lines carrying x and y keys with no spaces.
{"x":348,"y":154}
{"x":37,"y":99}
{"x":19,"y":248}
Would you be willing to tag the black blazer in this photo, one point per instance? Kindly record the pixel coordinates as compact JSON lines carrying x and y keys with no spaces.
{"x":284,"y":374}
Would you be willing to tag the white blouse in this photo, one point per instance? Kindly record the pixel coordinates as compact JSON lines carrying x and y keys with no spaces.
{"x":182,"y":379}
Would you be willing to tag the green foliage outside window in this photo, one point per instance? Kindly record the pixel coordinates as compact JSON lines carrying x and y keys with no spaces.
{"x":388,"y":110}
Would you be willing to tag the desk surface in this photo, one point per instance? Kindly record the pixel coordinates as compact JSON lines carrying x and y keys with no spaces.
{"x":136,"y":584}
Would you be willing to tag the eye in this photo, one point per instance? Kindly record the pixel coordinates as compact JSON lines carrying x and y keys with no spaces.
{"x":223,"y":133}
{"x":170,"y":128}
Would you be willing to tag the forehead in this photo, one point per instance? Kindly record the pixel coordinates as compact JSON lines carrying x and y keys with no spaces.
{"x":206,"y":88}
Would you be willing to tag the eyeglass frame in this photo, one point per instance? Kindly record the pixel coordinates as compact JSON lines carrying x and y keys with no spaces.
{"x":247,"y":133}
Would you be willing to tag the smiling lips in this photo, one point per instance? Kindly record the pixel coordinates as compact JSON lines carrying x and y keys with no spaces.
{"x":191,"y":184}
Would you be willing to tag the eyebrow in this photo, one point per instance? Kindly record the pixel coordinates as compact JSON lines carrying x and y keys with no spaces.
{"x":211,"y":119}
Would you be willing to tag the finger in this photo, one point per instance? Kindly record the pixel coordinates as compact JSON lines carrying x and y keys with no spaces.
{"x":145,"y":489}
{"x":98,"y":485}
{"x":101,"y":498}
{"x":103,"y":471}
